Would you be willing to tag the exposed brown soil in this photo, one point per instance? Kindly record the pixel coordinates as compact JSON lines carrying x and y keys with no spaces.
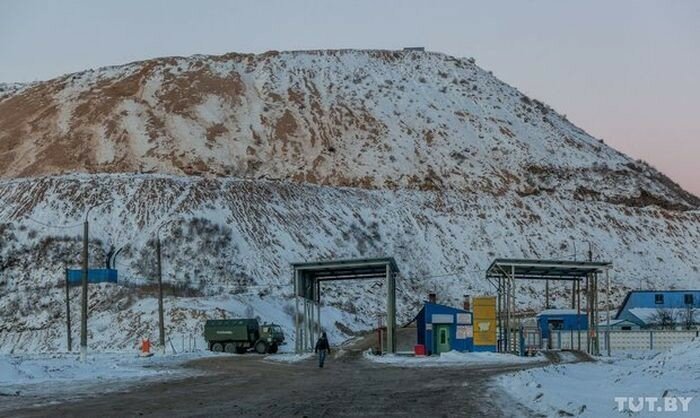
{"x":312,"y":123}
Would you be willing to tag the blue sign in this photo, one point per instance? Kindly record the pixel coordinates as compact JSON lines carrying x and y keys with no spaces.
{"x":75,"y":277}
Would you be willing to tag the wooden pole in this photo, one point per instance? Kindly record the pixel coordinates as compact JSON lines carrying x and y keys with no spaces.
{"x":84,"y":300}
{"x":69,"y":336}
{"x":161,"y":320}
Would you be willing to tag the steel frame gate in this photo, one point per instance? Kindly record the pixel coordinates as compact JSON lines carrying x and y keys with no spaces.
{"x":307,"y":294}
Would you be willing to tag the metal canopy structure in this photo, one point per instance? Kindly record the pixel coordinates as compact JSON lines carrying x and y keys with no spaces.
{"x":545,"y":269}
{"x":506,"y":271}
{"x":308,"y":277}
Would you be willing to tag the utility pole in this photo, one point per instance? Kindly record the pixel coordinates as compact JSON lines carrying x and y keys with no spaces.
{"x":84,"y":302}
{"x":161,"y":325}
{"x":161,"y":320}
{"x":68,"y":326}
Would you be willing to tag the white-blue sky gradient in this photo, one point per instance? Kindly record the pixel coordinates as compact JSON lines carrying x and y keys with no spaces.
{"x":625,"y":71}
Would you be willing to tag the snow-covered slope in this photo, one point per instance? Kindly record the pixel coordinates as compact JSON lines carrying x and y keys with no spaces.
{"x":261,"y":160}
{"x":374,"y":119}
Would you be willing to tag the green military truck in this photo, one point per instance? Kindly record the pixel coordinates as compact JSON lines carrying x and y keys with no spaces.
{"x":240,"y":335}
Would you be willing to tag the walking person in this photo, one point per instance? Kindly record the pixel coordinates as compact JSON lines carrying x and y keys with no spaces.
{"x":322,"y":348}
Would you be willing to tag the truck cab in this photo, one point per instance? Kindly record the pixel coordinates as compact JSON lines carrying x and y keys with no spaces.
{"x":272,"y":333}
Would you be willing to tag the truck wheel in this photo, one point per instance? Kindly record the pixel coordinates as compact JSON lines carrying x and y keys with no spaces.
{"x":217,"y":348}
{"x":261,"y":347}
{"x":230,"y":348}
{"x":272,"y":349}
{"x":240,"y":350}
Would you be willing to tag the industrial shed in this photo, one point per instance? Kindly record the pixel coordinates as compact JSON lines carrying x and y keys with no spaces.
{"x":561,"y":320}
{"x":642,"y":307}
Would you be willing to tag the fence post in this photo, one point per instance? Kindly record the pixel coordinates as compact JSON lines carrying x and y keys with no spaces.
{"x":651,"y":340}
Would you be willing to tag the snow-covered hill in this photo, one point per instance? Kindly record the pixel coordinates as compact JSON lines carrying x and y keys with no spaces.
{"x":373,"y":119}
{"x":261,"y":160}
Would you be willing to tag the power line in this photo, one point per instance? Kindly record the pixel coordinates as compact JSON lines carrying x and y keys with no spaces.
{"x":47,"y":225}
{"x":67,"y":226}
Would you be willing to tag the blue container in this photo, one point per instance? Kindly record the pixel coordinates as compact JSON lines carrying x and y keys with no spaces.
{"x":75,"y":277}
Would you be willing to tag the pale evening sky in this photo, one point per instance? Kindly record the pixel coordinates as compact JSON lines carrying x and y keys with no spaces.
{"x":625,"y":71}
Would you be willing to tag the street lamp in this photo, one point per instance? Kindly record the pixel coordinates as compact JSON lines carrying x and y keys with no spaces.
{"x":84,"y":302}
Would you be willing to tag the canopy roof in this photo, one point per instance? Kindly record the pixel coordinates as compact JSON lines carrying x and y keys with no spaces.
{"x":359,"y":268}
{"x":544,"y":269}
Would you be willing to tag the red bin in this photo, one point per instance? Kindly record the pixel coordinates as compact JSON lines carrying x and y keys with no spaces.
{"x":419,"y":350}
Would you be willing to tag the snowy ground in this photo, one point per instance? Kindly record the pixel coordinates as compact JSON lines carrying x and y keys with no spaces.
{"x":590,"y":389}
{"x":452,"y":358}
{"x":289,"y":358}
{"x":19,"y":371}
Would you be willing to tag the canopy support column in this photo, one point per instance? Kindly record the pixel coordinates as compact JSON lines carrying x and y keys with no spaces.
{"x":390,"y":310}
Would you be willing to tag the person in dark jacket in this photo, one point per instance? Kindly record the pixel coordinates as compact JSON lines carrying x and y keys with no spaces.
{"x":322,"y":348}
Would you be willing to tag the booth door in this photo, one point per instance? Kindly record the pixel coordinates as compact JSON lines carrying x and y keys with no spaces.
{"x":442,"y":339}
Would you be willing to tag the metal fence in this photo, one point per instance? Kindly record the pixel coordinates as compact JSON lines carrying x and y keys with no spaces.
{"x":657,"y":340}
{"x":185,"y":342}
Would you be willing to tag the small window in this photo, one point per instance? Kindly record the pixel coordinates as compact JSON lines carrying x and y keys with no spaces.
{"x":556,"y":324}
{"x":626,"y":328}
{"x":443,"y":337}
{"x":688,"y":298}
{"x":659,"y":299}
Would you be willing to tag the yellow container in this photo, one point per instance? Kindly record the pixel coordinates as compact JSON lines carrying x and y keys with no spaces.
{"x":484,"y":308}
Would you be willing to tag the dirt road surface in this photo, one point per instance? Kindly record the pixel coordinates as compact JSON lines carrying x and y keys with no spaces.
{"x":251,"y":386}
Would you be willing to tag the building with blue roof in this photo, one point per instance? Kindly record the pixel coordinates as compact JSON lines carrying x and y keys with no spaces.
{"x":642,"y":307}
